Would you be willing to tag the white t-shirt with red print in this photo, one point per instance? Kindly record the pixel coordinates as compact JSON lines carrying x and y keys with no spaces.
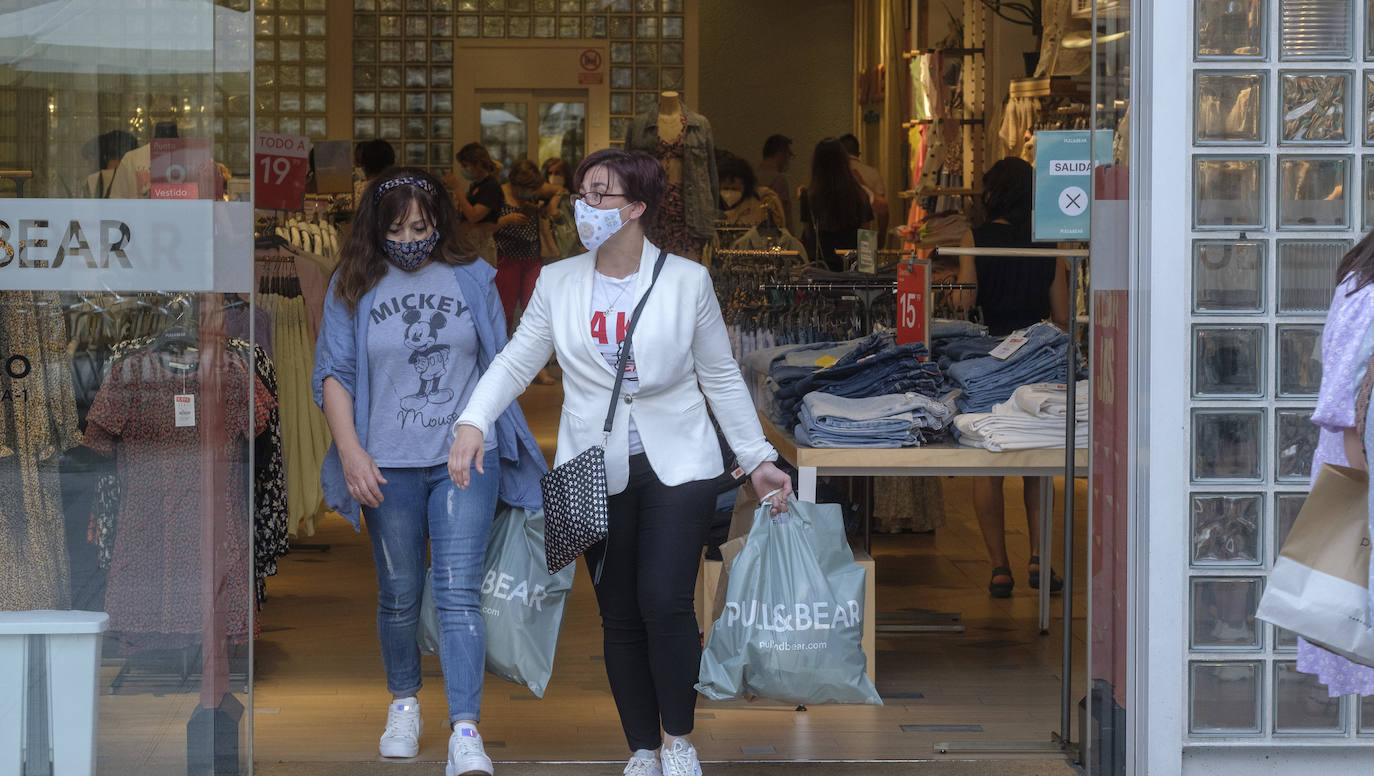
{"x":613,"y":302}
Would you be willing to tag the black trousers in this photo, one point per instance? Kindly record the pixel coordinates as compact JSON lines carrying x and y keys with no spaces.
{"x":652,"y":646}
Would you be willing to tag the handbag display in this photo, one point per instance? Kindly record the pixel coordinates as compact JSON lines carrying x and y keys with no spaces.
{"x":576,"y":515}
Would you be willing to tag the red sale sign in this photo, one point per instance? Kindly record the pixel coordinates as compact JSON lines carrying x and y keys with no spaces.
{"x":913,"y":301}
{"x":181,"y":168}
{"x":280,"y":163}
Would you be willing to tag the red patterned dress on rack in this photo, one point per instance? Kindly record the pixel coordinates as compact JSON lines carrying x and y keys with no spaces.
{"x":154,"y":593}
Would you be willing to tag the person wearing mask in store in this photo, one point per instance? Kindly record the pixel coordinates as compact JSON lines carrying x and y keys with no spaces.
{"x":772,"y":171}
{"x":558,"y":232}
{"x":108,"y":149}
{"x":410,"y":324}
{"x":833,"y":206}
{"x":525,"y":199}
{"x":373,"y":157}
{"x":661,"y":457}
{"x":742,"y":201}
{"x":870,"y":179}
{"x":1013,"y":293}
{"x":482,"y":204}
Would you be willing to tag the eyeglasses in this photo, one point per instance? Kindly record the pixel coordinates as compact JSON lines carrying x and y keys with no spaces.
{"x":594,"y":198}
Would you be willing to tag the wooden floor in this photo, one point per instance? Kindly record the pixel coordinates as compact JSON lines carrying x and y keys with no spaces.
{"x":320,"y":694}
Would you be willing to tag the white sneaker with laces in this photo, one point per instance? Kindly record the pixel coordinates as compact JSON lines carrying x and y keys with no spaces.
{"x":466,"y":756}
{"x":680,"y":759}
{"x":643,"y":763}
{"x":403,"y":728}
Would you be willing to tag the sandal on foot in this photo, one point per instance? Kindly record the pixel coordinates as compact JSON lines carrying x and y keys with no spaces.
{"x":1056,"y":583}
{"x":1001,"y":589}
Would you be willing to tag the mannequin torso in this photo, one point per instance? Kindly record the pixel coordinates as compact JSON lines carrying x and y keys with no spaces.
{"x":671,"y":128}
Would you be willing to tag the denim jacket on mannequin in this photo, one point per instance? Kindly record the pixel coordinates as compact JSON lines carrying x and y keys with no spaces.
{"x":700,"y":182}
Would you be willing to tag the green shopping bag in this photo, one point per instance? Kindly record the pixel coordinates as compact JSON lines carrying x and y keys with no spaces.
{"x":792,"y":626}
{"x":522,"y":604}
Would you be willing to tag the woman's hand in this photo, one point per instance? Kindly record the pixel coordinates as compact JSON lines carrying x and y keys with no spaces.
{"x":768,"y":478}
{"x":363,"y":477}
{"x":466,"y":452}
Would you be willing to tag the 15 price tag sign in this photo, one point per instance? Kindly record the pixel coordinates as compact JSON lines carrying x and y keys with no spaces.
{"x":280,"y":163}
{"x":913,"y":295}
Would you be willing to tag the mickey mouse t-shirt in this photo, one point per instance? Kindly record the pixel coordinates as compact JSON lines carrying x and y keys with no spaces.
{"x":422,"y":365}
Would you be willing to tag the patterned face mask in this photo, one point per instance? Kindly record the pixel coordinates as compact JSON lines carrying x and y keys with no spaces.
{"x":595,"y":226}
{"x":410,"y":255}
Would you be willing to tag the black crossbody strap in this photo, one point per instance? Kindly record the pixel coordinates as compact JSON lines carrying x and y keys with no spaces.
{"x":625,"y":345}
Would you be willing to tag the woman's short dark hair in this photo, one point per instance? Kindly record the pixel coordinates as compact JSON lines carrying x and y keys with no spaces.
{"x":478,"y":156}
{"x":376,"y":156}
{"x":641,"y":177}
{"x":361,"y":260}
{"x":1009,"y":191}
{"x":735,"y":167}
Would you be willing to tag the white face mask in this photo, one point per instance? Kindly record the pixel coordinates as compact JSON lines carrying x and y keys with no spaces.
{"x":731,"y":197}
{"x":596,"y":226}
{"x":556,"y":180}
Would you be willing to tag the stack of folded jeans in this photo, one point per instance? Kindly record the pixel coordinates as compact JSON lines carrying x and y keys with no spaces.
{"x":893,"y":420}
{"x":875,"y":366}
{"x":1033,"y":417}
{"x":988,"y":381}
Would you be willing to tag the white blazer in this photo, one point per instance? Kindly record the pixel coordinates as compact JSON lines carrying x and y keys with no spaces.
{"x":682,"y":353}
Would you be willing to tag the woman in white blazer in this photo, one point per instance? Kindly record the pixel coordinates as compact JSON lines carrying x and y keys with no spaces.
{"x":662,"y":455}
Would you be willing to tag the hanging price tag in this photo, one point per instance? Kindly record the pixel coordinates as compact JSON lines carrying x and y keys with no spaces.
{"x":185,"y":404}
{"x":280,"y":164}
{"x":1007,"y":347}
{"x":913,"y":293}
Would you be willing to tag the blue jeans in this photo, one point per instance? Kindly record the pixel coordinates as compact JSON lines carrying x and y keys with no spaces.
{"x":419,"y":506}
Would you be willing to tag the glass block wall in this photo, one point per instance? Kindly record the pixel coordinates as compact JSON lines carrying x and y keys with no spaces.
{"x":1283,"y":157}
{"x":403,"y":60}
{"x":289,"y":58}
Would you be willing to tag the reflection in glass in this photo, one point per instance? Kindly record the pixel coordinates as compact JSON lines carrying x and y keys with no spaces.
{"x":1228,"y":276}
{"x":1227,"y":444}
{"x":1307,"y":273}
{"x":1367,"y":714}
{"x":1228,"y":107}
{"x":1229,"y":192}
{"x":1301,"y":704}
{"x":1367,"y":210}
{"x":1226,"y":28}
{"x":1226,"y":528}
{"x":1286,"y":509}
{"x":1227,"y":360}
{"x":1225,"y":698}
{"x":1369,"y":107}
{"x":1300,"y":365}
{"x":1224,"y":613}
{"x":1296,"y":441}
{"x":1312,"y":192}
{"x":1284,"y":639}
{"x":504,"y":131}
{"x":1315,"y":29}
{"x":1314,"y":107}
{"x":562,"y":131}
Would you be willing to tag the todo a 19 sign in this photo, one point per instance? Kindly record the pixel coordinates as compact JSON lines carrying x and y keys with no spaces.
{"x":280,"y":163}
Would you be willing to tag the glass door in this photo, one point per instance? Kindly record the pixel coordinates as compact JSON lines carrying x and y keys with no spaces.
{"x":537,"y":124}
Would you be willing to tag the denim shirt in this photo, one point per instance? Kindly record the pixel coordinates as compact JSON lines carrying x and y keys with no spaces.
{"x":341,"y":353}
{"x":700,"y":181}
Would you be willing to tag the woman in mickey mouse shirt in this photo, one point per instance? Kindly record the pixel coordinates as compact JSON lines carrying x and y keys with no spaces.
{"x":410,"y":324}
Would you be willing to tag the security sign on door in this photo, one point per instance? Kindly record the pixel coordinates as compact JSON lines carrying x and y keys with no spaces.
{"x":1063,"y":175}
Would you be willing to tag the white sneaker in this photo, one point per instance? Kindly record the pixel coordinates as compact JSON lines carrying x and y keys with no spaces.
{"x":643,"y":763}
{"x":403,"y":727}
{"x":680,"y":759}
{"x":466,"y":757}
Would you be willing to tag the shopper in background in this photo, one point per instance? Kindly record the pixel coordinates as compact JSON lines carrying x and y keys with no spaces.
{"x":482,"y":205}
{"x":373,"y":157}
{"x":525,"y":199}
{"x":870,"y":179}
{"x":107,"y":150}
{"x":659,"y":511}
{"x":558,"y":230}
{"x":772,"y":171}
{"x":742,"y":201}
{"x":834,"y":206}
{"x":1347,"y":344}
{"x":1013,"y":293}
{"x":409,"y":324}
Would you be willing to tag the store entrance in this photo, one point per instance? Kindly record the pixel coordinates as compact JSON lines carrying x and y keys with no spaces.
{"x":534,"y":124}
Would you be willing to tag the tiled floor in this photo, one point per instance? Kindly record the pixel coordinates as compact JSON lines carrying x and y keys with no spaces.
{"x":320,"y":694}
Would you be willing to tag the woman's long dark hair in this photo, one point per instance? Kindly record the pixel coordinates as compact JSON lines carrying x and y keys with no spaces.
{"x":834,"y":196}
{"x":1009,"y":191}
{"x":1359,"y":262}
{"x":362,"y":262}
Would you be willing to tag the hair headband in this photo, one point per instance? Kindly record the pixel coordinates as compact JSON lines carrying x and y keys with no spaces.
{"x":401,"y":181}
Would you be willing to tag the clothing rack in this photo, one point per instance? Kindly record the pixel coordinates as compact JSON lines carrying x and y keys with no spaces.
{"x":866,"y":292}
{"x":1076,"y":258}
{"x":757,"y":253}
